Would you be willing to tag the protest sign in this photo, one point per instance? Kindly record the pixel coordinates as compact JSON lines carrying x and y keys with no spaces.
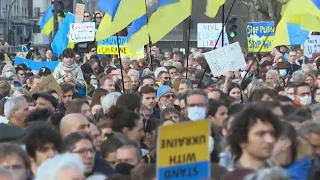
{"x":227,"y":58}
{"x":311,"y":45}
{"x":110,"y":46}
{"x":183,"y":151}
{"x":257,"y":33}
{"x":33,"y":65}
{"x":79,"y":12}
{"x":47,"y":83}
{"x":208,"y":34}
{"x":82,"y":32}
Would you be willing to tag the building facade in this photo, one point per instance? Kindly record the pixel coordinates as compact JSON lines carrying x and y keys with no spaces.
{"x":15,"y":23}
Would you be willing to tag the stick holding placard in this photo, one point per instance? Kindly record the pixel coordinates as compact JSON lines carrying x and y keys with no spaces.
{"x":215,"y":46}
{"x":121,"y":68}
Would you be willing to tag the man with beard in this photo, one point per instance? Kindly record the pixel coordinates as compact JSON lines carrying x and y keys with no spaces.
{"x":135,"y":83}
{"x":66,"y":98}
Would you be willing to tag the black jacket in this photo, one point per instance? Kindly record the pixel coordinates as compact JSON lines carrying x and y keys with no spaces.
{"x":101,"y":167}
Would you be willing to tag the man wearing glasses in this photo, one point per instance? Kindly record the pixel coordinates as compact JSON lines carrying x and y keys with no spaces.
{"x":82,"y":144}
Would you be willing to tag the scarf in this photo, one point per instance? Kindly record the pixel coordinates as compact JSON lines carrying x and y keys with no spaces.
{"x":72,"y":69}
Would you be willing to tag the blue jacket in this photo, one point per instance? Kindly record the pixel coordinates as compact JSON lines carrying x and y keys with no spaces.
{"x":299,"y":169}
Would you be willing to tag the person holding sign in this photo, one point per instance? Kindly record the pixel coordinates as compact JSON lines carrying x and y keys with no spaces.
{"x":68,"y":71}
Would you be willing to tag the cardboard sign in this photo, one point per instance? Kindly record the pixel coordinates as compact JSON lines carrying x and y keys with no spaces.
{"x":311,"y":45}
{"x":82,"y":32}
{"x":47,"y":83}
{"x":183,"y":151}
{"x":227,"y":58}
{"x":208,"y":34}
{"x":79,"y":12}
{"x":257,"y":33}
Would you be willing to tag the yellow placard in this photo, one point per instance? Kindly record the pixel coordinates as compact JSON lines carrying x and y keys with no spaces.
{"x":183,"y":143}
{"x":113,"y":50}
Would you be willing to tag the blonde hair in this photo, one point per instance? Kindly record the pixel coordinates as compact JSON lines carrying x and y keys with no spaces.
{"x":252,"y":86}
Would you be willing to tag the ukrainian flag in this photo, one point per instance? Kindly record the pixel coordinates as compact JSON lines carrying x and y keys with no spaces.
{"x":138,"y":35}
{"x":289,"y":34}
{"x":60,"y":40}
{"x":168,"y":14}
{"x":303,"y":12}
{"x":118,"y":15}
{"x":46,"y":23}
{"x":213,"y":7}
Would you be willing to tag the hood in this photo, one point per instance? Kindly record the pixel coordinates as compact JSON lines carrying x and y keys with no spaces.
{"x":299,"y":169}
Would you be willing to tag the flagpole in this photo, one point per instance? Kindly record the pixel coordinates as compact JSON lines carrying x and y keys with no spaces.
{"x":150,"y":43}
{"x":119,"y":54}
{"x":215,"y":46}
{"x":187,"y":49}
{"x":222,"y":38}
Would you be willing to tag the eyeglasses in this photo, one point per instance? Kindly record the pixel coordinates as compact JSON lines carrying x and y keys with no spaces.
{"x":166,"y":78}
{"x":21,"y":74}
{"x":93,"y":50}
{"x":84,"y":152}
{"x":169,"y":95}
{"x":108,"y":135}
{"x":86,"y":16}
{"x":98,"y":17}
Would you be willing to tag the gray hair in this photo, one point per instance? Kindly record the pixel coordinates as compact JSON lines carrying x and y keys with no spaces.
{"x":8,"y":65}
{"x":273,"y":73}
{"x":275,"y":173}
{"x":187,"y":82}
{"x":125,"y":59}
{"x":12,"y":105}
{"x":197,"y":91}
{"x":108,"y":100}
{"x":252,"y":86}
{"x":298,"y":76}
{"x":309,"y":127}
{"x":50,"y":169}
{"x":19,"y":90}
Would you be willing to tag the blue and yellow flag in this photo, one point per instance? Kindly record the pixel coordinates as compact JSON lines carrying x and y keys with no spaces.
{"x":213,"y":7}
{"x":168,"y":14}
{"x":138,"y":35}
{"x":289,"y":34}
{"x":61,"y":40}
{"x":118,"y":15}
{"x":303,"y":12}
{"x":46,"y":23}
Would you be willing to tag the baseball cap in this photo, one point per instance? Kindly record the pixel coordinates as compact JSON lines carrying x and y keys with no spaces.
{"x":44,"y":71}
{"x":163,"y":90}
{"x":47,"y":97}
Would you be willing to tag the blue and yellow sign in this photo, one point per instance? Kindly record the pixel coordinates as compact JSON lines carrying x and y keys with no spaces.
{"x":183,"y":151}
{"x":257,"y":33}
{"x":110,"y":46}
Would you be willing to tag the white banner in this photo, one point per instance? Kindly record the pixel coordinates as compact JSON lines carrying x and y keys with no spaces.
{"x":227,"y":58}
{"x":311,"y":45}
{"x":208,"y":33}
{"x":82,"y":32}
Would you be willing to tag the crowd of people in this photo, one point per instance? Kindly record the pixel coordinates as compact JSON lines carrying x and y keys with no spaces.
{"x":103,"y":121}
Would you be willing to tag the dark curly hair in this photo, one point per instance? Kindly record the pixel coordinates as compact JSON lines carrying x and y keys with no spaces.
{"x":40,"y":134}
{"x":244,"y":121}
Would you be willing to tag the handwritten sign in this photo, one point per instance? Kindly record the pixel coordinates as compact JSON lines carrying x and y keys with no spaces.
{"x":208,"y":34}
{"x":183,"y":151}
{"x":257,"y":33}
{"x":110,"y":46}
{"x":82,"y":32}
{"x":79,"y":12}
{"x":227,"y":58}
{"x":47,"y":83}
{"x":311,"y":45}
{"x":36,"y":65}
